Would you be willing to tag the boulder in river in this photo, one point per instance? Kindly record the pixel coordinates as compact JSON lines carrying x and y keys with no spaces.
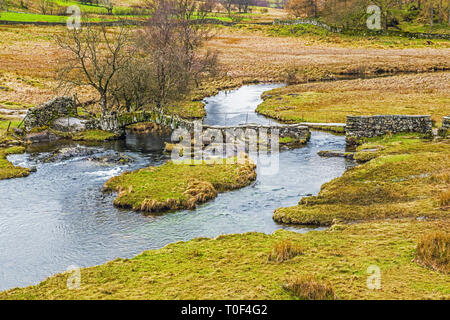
{"x":66,"y":154}
{"x":110,"y":157}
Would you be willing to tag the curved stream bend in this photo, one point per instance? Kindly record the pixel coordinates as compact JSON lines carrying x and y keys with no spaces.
{"x":59,"y":217}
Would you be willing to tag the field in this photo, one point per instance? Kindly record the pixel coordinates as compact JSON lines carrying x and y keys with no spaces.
{"x":246,"y":55}
{"x":332,"y":101}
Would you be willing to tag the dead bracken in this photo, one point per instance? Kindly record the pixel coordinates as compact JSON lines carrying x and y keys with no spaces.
{"x":284,"y":250}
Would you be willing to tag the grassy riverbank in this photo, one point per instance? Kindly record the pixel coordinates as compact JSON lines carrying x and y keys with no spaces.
{"x":175,"y":186}
{"x":7,"y":169}
{"x":333,"y":101}
{"x":237,"y":267}
{"x":407,"y":176}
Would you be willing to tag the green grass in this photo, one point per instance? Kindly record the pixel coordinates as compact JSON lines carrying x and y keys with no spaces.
{"x":7,"y":169}
{"x":333,"y":101}
{"x":404,"y":177}
{"x":94,"y":135}
{"x":174,"y":186}
{"x":293,"y":142}
{"x":25,"y":17}
{"x":424,"y":28}
{"x":237,"y":267}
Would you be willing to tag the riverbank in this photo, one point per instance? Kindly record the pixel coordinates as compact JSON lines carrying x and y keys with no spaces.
{"x":237,"y":267}
{"x":7,"y":169}
{"x":405,"y":175}
{"x":333,"y":101}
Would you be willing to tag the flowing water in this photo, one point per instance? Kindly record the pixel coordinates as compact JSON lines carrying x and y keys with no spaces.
{"x":59,"y":217}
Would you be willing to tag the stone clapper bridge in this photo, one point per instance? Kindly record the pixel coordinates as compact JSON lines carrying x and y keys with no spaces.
{"x":61,"y":114}
{"x":115,"y":123}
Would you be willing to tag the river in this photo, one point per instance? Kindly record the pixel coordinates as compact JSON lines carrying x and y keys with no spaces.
{"x":59,"y":217}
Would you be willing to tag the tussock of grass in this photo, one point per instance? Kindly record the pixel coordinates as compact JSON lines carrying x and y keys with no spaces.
{"x":404,"y":178}
{"x":7,"y":169}
{"x":235,"y":267}
{"x":309,"y":288}
{"x":175,"y":186}
{"x":433,"y":251}
{"x":284,"y":250}
{"x":94,"y":135}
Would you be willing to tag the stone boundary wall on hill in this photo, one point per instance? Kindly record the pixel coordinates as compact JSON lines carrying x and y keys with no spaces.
{"x":358,"y":127}
{"x":445,"y":129}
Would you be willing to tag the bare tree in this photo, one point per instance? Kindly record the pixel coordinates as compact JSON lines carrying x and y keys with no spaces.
{"x":95,"y":57}
{"x":175,"y":32}
{"x":132,"y":87}
{"x":303,"y":8}
{"x":208,"y":5}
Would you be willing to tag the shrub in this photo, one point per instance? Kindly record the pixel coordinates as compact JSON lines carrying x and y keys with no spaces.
{"x":433,"y":250}
{"x":309,"y":288}
{"x":284,"y":250}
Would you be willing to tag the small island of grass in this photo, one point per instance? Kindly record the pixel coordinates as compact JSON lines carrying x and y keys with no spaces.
{"x":175,"y":186}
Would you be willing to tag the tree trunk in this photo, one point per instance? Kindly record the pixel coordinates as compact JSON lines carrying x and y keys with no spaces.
{"x":431,"y":16}
{"x":104,"y":105}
